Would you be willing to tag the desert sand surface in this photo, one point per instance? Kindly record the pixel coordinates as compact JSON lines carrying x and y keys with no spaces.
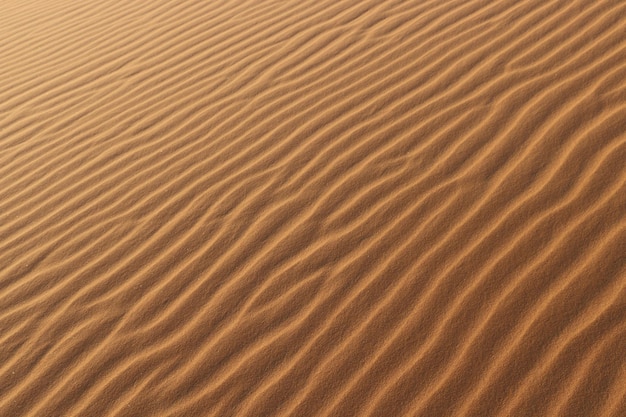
{"x":313,"y":208}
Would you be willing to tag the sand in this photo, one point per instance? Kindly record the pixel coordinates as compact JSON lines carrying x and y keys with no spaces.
{"x":313,"y":208}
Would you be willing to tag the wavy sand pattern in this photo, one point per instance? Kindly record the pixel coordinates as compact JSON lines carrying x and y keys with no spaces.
{"x":313,"y":208}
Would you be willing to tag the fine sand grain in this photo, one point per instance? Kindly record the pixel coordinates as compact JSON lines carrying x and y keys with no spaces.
{"x":313,"y":208}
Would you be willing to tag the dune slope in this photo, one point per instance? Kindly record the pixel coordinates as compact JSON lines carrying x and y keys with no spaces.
{"x":313,"y":208}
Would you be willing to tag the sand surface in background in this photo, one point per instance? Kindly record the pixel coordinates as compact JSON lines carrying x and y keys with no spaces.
{"x":313,"y":208}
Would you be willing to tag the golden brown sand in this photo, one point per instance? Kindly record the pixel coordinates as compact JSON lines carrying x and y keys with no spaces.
{"x":313,"y":208}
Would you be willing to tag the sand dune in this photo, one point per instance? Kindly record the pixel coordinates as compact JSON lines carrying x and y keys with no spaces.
{"x":313,"y":208}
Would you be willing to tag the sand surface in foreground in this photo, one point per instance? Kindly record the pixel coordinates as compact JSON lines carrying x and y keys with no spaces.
{"x":313,"y":208}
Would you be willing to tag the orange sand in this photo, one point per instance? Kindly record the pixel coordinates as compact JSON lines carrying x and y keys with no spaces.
{"x":313,"y":208}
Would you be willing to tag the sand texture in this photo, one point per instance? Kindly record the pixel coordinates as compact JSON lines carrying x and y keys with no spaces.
{"x":313,"y":208}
